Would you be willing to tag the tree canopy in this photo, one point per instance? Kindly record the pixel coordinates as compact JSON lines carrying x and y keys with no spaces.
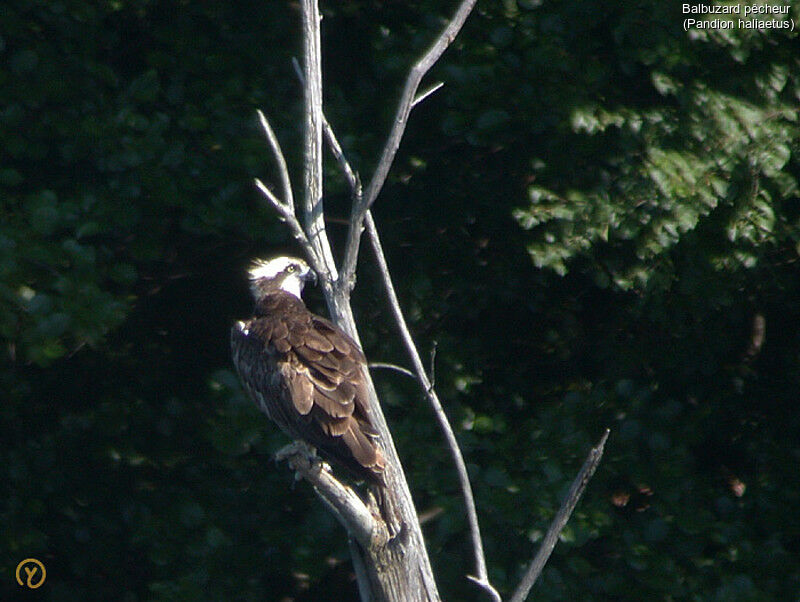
{"x":595,"y":222}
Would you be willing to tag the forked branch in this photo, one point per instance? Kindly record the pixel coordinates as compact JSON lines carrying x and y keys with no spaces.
{"x":481,"y":578}
{"x":285,"y":207}
{"x":283,"y":170}
{"x":407,"y":100}
{"x":312,"y":236}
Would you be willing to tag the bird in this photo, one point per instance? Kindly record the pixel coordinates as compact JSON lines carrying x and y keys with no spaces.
{"x":304,"y":372}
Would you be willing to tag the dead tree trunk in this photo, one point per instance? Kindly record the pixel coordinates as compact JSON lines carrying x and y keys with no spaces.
{"x":391,"y":561}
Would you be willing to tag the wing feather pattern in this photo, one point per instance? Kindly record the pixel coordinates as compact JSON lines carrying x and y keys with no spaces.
{"x":308,"y":376}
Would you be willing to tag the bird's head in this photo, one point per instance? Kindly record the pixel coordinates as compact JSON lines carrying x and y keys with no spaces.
{"x":288,"y":274}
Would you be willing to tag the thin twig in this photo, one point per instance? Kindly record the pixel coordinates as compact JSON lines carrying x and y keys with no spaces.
{"x":433,"y":365}
{"x":276,"y":202}
{"x":407,"y":101}
{"x":350,"y":175}
{"x":286,"y":182}
{"x":481,"y":577}
{"x":287,"y":215}
{"x":394,"y":367}
{"x":560,"y":520}
{"x":285,"y":207}
{"x":424,"y":94}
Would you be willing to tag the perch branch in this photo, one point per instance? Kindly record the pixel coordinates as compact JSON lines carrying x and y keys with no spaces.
{"x":412,"y":554}
{"x":407,"y":100}
{"x":346,"y":283}
{"x":560,"y":520}
{"x":481,"y":576}
{"x":343,"y":501}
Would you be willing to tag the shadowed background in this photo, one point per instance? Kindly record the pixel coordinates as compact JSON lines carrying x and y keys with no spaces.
{"x":595,"y":221}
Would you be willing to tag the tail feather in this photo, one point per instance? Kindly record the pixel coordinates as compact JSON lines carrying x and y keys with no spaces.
{"x":365,"y":451}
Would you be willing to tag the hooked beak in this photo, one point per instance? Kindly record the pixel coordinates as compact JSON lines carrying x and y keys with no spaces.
{"x":310,"y":276}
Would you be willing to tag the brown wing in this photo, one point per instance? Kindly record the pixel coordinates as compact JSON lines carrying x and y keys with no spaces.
{"x":311,"y":383}
{"x":346,"y":347}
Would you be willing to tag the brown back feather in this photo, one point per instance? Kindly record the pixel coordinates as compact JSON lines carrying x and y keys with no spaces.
{"x":320,"y":394}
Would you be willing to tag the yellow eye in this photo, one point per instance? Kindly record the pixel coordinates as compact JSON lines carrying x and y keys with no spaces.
{"x":290,"y":269}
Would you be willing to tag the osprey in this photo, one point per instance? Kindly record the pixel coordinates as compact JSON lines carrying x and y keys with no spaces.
{"x":304,"y":372}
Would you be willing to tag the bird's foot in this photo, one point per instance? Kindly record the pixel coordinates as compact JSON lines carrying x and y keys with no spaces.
{"x":295,"y":448}
{"x":301,"y":457}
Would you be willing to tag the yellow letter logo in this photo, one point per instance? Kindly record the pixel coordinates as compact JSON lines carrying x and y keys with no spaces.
{"x":32,"y":569}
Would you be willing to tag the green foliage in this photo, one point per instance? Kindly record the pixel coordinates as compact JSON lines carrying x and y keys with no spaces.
{"x":115,"y":142}
{"x":683,"y":154}
{"x":589,"y":220}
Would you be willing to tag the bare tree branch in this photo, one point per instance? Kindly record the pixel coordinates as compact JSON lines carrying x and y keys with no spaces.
{"x":481,"y":576}
{"x":313,"y":209}
{"x":351,"y":512}
{"x":579,"y":485}
{"x":285,"y":207}
{"x":407,"y":101}
{"x":274,"y":200}
{"x":345,"y":504}
{"x":560,"y":520}
{"x":423,"y":95}
{"x":352,"y":177}
{"x":287,"y":215}
{"x":362,"y":577}
{"x":343,"y":501}
{"x":400,"y":565}
{"x":285,"y":212}
{"x":480,"y":562}
{"x":394,"y":367}
{"x":286,"y":182}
